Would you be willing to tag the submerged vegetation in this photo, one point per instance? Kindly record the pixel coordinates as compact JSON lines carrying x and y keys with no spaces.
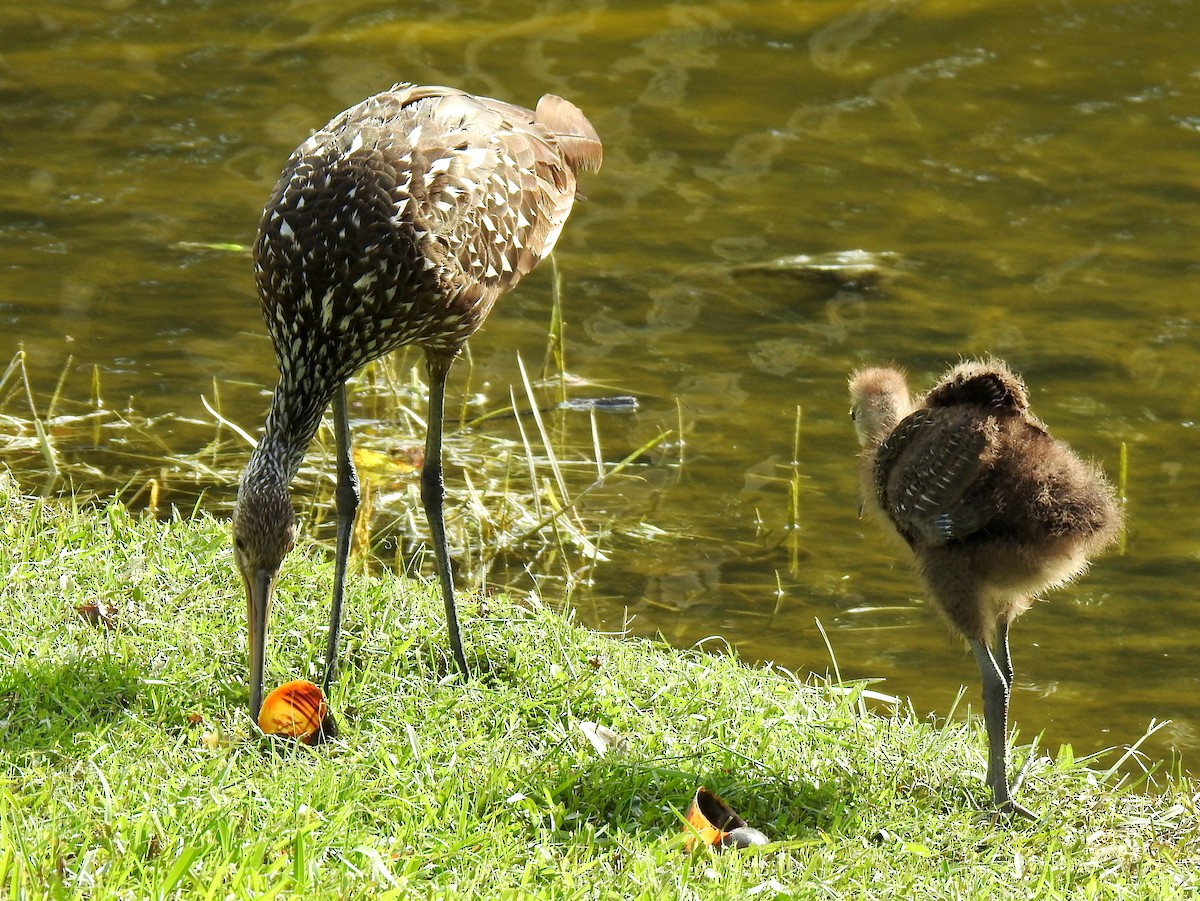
{"x":535,"y":494}
{"x":127,"y":768}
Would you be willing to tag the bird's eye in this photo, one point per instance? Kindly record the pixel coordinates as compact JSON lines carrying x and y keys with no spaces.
{"x":855,"y":413}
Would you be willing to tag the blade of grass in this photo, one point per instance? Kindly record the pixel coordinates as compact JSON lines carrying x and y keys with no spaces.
{"x":1132,"y":749}
{"x":48,"y":453}
{"x":58,"y":387}
{"x":596,"y":443}
{"x":187,"y":856}
{"x":541,"y":427}
{"x":232,"y":426}
{"x":529,"y":460}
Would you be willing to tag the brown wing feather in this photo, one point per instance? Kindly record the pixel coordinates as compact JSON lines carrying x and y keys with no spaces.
{"x":404,"y":219}
{"x":579,"y":142}
{"x":490,"y":185}
{"x":924,"y":468}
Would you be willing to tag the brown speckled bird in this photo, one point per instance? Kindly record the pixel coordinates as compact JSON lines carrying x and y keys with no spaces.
{"x":399,"y":223}
{"x":993,"y":509}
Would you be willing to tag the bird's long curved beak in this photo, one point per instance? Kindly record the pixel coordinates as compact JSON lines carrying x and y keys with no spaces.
{"x":259,"y":589}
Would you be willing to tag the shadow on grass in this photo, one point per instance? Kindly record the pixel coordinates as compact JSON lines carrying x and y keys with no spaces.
{"x":639,"y":796}
{"x":47,"y":705}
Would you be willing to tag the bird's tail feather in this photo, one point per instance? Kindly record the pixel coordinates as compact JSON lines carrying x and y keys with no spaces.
{"x":578,"y":139}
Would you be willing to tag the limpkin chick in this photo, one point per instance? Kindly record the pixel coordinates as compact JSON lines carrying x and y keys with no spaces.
{"x":993,"y":509}
{"x":399,"y":223}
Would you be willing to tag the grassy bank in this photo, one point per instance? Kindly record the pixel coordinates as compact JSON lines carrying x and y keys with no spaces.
{"x":127,"y":770}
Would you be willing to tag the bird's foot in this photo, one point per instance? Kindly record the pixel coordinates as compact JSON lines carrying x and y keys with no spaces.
{"x":1012,"y":808}
{"x":1005,"y":811}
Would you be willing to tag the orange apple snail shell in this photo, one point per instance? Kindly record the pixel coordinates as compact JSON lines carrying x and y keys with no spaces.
{"x":295,"y":709}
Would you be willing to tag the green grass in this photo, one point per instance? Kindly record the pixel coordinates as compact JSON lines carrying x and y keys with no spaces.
{"x":128,"y":771}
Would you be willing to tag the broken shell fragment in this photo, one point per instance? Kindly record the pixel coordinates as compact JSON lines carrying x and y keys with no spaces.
{"x":713,"y":822}
{"x":296,"y":710}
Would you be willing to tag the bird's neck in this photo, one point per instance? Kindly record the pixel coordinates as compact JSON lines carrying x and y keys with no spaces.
{"x":292,"y":422}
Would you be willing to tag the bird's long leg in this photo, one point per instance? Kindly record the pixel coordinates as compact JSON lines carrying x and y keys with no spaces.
{"x":997,"y":676}
{"x":1003,"y":659}
{"x":433,"y":495}
{"x":346,"y":501}
{"x":995,"y":718}
{"x":1004,"y":662}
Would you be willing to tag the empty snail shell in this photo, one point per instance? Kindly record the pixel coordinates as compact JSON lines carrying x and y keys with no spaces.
{"x":711,"y":821}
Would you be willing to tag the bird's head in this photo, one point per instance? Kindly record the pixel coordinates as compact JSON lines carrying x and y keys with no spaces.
{"x":264,"y":530}
{"x":879,"y":399}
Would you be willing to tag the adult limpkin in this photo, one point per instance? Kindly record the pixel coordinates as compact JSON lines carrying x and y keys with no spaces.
{"x":993,"y":509}
{"x":398,"y":223}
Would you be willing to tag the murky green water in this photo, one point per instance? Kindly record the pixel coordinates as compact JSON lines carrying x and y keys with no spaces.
{"x":1027,"y":168}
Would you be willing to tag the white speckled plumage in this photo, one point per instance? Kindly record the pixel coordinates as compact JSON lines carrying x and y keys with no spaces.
{"x":400,"y":222}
